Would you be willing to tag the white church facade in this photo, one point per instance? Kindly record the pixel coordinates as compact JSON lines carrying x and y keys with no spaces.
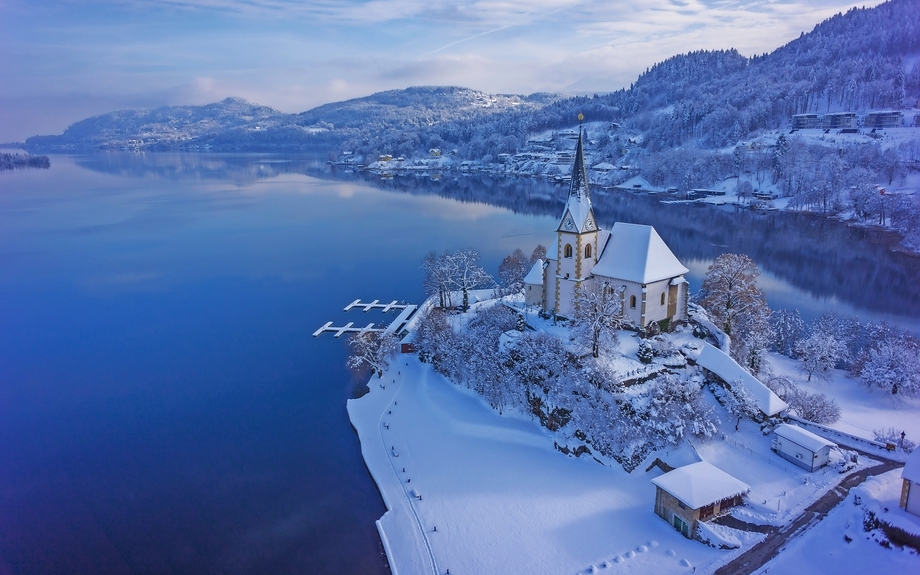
{"x":630,"y":259}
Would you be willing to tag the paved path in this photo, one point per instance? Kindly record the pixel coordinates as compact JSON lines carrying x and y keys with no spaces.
{"x":770,"y":547}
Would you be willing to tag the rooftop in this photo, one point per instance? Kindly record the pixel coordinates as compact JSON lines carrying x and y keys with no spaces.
{"x":699,"y":484}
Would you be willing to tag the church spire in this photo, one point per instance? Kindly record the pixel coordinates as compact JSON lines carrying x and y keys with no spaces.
{"x":578,"y":216}
{"x":579,"y":187}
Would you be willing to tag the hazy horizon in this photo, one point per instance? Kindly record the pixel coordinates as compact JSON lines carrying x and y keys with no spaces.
{"x":63,"y":62}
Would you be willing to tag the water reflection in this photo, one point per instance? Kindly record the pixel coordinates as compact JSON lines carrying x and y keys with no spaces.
{"x":822,"y":259}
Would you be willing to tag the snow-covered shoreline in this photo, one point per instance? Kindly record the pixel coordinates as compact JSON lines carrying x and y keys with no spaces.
{"x":488,"y":493}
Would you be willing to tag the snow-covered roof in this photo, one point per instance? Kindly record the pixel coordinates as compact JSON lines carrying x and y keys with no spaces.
{"x":699,"y":484}
{"x":603,"y":167}
{"x":638,"y":182}
{"x":637,"y":253}
{"x":912,"y":467}
{"x":716,"y":361}
{"x":803,"y":437}
{"x":535,"y":275}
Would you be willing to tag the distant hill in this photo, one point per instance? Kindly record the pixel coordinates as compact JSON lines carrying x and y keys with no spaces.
{"x":867,"y":58}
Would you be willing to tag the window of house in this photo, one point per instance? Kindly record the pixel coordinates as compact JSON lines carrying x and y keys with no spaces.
{"x":588,"y":251}
{"x":567,"y":251}
{"x":662,"y":299}
{"x":632,"y":302}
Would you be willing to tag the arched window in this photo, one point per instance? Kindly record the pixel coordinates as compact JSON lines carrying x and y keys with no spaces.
{"x":567,"y":251}
{"x":632,"y":302}
{"x":588,"y":251}
{"x":662,"y":298}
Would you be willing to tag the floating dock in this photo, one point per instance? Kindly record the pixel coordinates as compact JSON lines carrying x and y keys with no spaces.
{"x":395,"y":326}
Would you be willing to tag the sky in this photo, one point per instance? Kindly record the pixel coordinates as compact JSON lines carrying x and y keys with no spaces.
{"x":64,"y":60}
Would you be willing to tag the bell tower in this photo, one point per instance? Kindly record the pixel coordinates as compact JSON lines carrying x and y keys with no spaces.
{"x":577,"y":235}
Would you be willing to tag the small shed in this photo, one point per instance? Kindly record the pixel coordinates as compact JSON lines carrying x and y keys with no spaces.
{"x":910,"y":490}
{"x":694,"y":493}
{"x":802,"y":447}
{"x":533,"y":285}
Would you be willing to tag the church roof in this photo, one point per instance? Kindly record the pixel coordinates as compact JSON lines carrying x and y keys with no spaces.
{"x":637,"y":253}
{"x":578,"y":204}
{"x":535,"y":276}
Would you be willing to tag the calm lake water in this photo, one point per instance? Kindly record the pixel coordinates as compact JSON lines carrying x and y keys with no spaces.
{"x":163,"y":406}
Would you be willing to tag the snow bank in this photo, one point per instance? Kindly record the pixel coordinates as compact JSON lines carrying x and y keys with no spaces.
{"x":718,"y":536}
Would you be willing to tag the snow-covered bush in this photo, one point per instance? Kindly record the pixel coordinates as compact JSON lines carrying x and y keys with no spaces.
{"x":645,"y":354}
{"x":677,"y":409}
{"x":815,"y":407}
{"x":896,"y":437}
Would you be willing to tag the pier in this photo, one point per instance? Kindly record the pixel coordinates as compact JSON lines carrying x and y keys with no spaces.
{"x":395,"y":326}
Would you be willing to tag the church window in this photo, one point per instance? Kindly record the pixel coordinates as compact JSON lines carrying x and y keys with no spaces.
{"x":588,"y":251}
{"x":567,"y":251}
{"x":632,"y":302}
{"x":662,"y":299}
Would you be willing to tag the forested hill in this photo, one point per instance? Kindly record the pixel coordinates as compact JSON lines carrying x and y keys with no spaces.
{"x":868,"y":58}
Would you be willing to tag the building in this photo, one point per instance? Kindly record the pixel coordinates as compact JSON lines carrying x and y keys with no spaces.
{"x":806,"y":122}
{"x":887,"y":119}
{"x":910,"y":489}
{"x":533,"y":284}
{"x":800,"y":446}
{"x":727,"y":369}
{"x":630,"y":259}
{"x":694,"y":493}
{"x":840,"y":120}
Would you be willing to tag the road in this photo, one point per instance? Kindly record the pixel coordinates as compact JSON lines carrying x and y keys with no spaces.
{"x":760,"y":554}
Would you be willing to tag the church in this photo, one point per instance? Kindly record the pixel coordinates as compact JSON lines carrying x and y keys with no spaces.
{"x":630,"y":258}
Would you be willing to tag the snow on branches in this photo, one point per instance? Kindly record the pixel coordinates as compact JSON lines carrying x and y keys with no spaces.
{"x":735,"y":304}
{"x":598,"y":315}
{"x":372,"y":349}
{"x":454,"y":271}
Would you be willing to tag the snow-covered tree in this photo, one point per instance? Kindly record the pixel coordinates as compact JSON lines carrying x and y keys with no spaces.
{"x":467,"y":274}
{"x":730,"y":294}
{"x":819,"y":353}
{"x":512,"y":271}
{"x":372,"y":349}
{"x":738,"y":402}
{"x":815,"y":407}
{"x":539,"y":362}
{"x":788,"y":328}
{"x":893,"y":365}
{"x":438,"y":273}
{"x":677,"y":408}
{"x":598,"y":314}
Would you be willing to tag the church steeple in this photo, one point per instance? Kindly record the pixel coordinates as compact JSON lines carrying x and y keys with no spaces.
{"x":578,"y":216}
{"x":579,"y":187}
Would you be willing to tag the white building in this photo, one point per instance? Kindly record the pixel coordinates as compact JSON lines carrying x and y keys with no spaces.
{"x":631,"y":259}
{"x":802,"y":447}
{"x":910,"y":490}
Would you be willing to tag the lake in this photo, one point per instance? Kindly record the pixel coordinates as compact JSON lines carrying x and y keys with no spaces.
{"x":164,"y":407}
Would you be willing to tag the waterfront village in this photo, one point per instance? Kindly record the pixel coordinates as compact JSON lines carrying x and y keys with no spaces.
{"x":523,"y":434}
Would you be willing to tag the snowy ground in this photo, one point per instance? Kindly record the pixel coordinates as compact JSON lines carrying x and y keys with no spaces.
{"x":474,"y":491}
{"x":502,"y":498}
{"x":823,"y":549}
{"x":862,"y":410}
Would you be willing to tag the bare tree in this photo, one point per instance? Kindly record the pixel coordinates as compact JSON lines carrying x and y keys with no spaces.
{"x":539,"y":253}
{"x":598,"y":313}
{"x":512,"y":271}
{"x":438,"y":275}
{"x":730,"y":295}
{"x":372,"y":349}
{"x":467,"y":274}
